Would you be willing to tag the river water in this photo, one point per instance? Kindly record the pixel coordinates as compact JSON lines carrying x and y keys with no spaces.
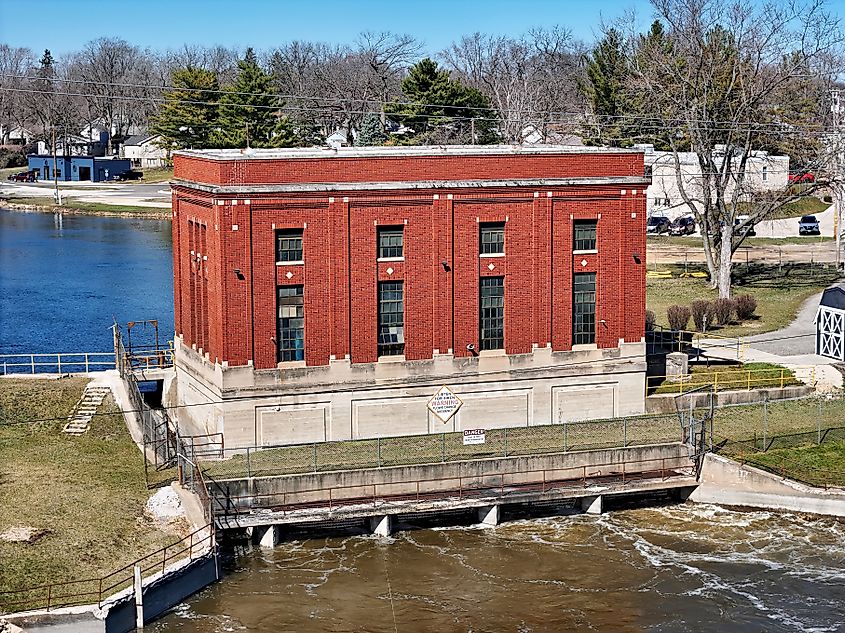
{"x":673,"y":568}
{"x":63,"y":278}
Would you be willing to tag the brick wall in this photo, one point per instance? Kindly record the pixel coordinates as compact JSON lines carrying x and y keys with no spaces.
{"x":234,"y":318}
{"x":396,"y":169}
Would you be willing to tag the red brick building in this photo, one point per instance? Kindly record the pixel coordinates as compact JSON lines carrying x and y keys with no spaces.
{"x":350,"y":282}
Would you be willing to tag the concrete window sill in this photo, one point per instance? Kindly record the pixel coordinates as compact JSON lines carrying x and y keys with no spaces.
{"x":585,"y":347}
{"x":399,"y":358}
{"x":485,"y":255}
{"x":592,"y":251}
{"x":291,"y":364}
{"x":491,"y":353}
{"x":297,"y":263}
{"x":390,"y":259}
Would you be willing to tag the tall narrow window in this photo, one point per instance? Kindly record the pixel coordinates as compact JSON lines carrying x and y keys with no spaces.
{"x":390,"y":242}
{"x":584,"y":308}
{"x":289,"y":245}
{"x":291,"y":324}
{"x":492,"y":238}
{"x":391,"y":318}
{"x":765,"y":173}
{"x":492,"y":312}
{"x":585,"y":235}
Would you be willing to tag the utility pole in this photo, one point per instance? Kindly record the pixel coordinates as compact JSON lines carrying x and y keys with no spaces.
{"x":55,"y":174}
{"x":836,"y":109}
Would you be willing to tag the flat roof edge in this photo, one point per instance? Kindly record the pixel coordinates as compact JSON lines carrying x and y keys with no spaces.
{"x":417,"y":184}
{"x":398,"y":152}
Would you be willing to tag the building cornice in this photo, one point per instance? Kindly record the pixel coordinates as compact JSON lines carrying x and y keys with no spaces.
{"x":537,"y":183}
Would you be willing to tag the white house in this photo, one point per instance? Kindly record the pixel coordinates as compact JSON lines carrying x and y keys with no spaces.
{"x":92,"y":140}
{"x":763,"y":172}
{"x":144,"y":150}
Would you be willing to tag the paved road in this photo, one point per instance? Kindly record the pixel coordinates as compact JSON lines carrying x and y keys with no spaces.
{"x":134,"y":194}
{"x":788,"y":227}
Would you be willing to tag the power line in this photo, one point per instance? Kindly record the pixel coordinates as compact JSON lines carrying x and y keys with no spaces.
{"x":591,"y":120}
{"x":387,"y":383}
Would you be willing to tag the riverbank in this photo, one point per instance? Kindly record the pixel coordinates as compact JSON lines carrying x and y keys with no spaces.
{"x":71,"y":508}
{"x":88,"y":208}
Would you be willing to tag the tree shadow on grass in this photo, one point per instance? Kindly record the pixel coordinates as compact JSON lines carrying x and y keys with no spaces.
{"x":785,"y":277}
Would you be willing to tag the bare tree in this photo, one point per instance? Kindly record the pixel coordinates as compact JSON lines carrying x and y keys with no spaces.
{"x":719,"y":76}
{"x":532,"y":81}
{"x":15,"y":64}
{"x":117,"y":84}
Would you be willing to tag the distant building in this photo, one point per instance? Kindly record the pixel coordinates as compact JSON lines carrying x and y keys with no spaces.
{"x":328,"y":295}
{"x":763,"y":172}
{"x":77,"y":168}
{"x":91,"y":140}
{"x":144,"y":150}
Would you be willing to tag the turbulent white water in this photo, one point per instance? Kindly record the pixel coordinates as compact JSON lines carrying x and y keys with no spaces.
{"x":676,"y":568}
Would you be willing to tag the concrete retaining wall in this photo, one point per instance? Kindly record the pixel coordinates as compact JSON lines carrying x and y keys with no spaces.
{"x":117,"y":615}
{"x":726,"y":482}
{"x":665,"y":403}
{"x":431,"y":478}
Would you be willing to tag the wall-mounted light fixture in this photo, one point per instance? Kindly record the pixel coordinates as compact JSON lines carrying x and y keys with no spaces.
{"x":445,"y":265}
{"x":636,"y":257}
{"x":239,"y":274}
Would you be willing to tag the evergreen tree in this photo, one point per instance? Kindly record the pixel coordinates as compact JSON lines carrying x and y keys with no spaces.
{"x":188,"y":116}
{"x":250,"y":110}
{"x":372,"y":131}
{"x":607,"y":74}
{"x":442,"y":109}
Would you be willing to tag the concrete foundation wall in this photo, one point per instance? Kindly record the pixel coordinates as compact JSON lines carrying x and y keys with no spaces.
{"x":666,"y":403}
{"x":730,"y":483}
{"x":346,"y":401}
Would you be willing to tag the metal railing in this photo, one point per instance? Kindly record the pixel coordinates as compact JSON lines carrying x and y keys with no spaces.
{"x":58,"y":363}
{"x":660,"y":340}
{"x":728,"y":380}
{"x":262,"y":461}
{"x":97,"y":590}
{"x":456,"y":487}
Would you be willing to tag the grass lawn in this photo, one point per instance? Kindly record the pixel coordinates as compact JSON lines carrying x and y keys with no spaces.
{"x":748,"y":376}
{"x":157,"y":174}
{"x":818,"y":465}
{"x":71,"y":203}
{"x":688,"y":241}
{"x":779,"y":293}
{"x":87,"y":492}
{"x":805,"y":206}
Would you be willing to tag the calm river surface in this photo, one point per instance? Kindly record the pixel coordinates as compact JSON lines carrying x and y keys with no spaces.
{"x":63,"y":278}
{"x":681,"y":568}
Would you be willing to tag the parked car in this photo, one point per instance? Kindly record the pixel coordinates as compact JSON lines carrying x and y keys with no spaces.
{"x":797,"y":179}
{"x":682,"y":226}
{"x":808,"y":225}
{"x":132,"y":174}
{"x":24,"y":176}
{"x":657,"y":224}
{"x":749,"y":229}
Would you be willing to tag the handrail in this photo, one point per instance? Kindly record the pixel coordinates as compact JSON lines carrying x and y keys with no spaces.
{"x":50,"y":599}
{"x":730,"y":379}
{"x":229,"y":502}
{"x":89,"y":360}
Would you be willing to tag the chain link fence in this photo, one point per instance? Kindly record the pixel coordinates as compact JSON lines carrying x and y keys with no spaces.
{"x":765,"y":425}
{"x":266,"y":461}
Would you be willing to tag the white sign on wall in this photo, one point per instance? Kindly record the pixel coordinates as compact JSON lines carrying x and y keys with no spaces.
{"x":474,"y":436}
{"x":444,"y":404}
